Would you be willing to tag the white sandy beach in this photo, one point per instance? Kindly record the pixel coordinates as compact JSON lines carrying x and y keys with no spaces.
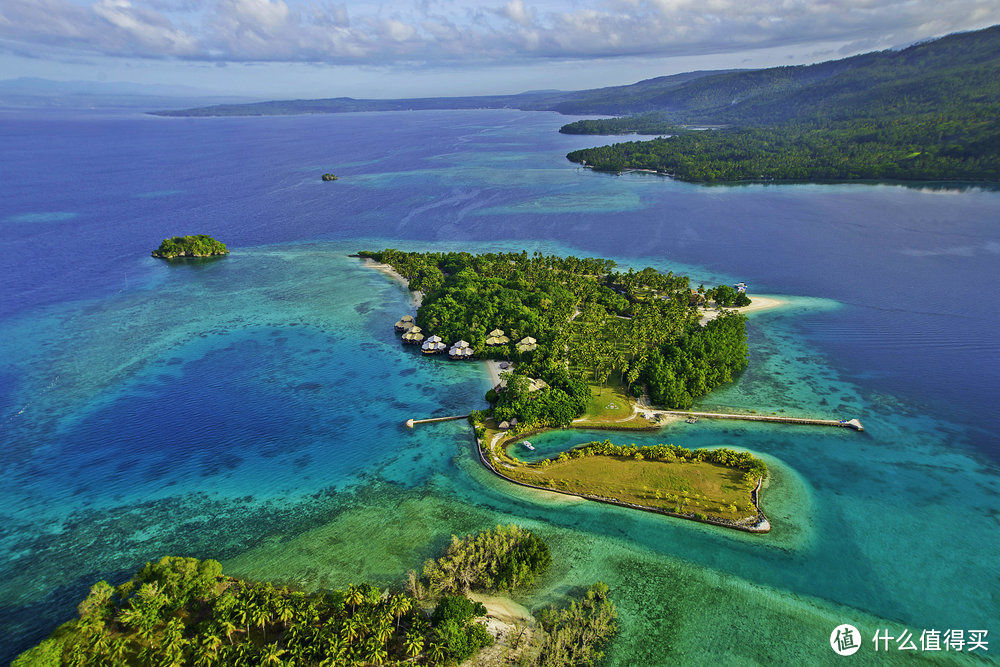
{"x":758,"y":303}
{"x":415,"y":295}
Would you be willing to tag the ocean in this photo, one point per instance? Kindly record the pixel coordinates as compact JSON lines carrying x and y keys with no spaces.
{"x":250,"y":409}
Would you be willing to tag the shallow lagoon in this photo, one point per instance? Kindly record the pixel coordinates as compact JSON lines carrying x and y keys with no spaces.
{"x":251,"y":409}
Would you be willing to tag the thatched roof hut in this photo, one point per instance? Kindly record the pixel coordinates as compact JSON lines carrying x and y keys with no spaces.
{"x":431,"y":346}
{"x":537,"y":384}
{"x":505,"y":365}
{"x":504,"y":426}
{"x":460,"y":350}
{"x":404,"y":323}
{"x":412,"y":337}
{"x":497,"y":337}
{"x":526,"y":344}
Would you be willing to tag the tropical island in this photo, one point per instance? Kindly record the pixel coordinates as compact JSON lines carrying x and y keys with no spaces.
{"x":588,"y":346}
{"x":199,"y":245}
{"x":329,"y":177}
{"x":185,"y":611}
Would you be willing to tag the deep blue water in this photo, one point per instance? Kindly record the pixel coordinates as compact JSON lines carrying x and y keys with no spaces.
{"x":207,"y":408}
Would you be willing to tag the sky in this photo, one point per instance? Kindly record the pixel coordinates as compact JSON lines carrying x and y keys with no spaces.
{"x":407,"y":48}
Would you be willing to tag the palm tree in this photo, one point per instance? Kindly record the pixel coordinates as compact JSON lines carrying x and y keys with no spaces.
{"x":355,"y":596}
{"x":437,"y":652}
{"x":399,"y":605}
{"x":414,"y":645}
{"x":272,"y":655}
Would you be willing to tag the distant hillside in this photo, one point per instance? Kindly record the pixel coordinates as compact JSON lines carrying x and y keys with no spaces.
{"x":39,"y":93}
{"x":613,"y":100}
{"x":930,"y":112}
{"x":958,"y":70}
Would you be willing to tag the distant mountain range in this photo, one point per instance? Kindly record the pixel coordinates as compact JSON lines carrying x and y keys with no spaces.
{"x":36,"y":92}
{"x":599,"y":100}
{"x":956,"y":69}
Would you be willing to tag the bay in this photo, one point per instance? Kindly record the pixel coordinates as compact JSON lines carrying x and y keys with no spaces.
{"x":250,"y":409}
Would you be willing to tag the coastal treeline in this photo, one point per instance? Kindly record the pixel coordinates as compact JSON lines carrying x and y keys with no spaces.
{"x":590,"y":322}
{"x":577,"y":634}
{"x":925,"y":113}
{"x":960,"y":146}
{"x":199,"y":245}
{"x":753,"y":467}
{"x":182,"y":611}
{"x":502,"y":559}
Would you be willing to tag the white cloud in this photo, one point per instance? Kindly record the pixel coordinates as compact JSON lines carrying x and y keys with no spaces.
{"x":445,"y":31}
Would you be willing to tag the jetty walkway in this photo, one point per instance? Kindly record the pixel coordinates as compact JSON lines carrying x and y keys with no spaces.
{"x":410,"y":423}
{"x":846,"y":423}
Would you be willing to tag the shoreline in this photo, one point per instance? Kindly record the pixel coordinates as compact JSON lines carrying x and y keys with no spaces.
{"x":492,"y":371}
{"x":416,"y":296}
{"x":758,"y":304}
{"x":760,"y":527}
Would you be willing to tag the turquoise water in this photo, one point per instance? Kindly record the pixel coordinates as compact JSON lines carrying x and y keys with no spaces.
{"x":250,"y":409}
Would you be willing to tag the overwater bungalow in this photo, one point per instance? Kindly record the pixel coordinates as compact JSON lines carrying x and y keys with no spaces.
{"x":413,"y":336}
{"x":526,"y":344}
{"x":433,"y":345}
{"x":405,"y":323}
{"x":497,"y":337}
{"x":460,"y":350}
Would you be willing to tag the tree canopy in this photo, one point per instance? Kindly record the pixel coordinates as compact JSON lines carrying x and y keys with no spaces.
{"x":590,"y":321}
{"x":199,"y":245}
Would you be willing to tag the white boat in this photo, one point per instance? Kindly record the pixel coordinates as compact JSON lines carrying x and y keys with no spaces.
{"x":528,"y":445}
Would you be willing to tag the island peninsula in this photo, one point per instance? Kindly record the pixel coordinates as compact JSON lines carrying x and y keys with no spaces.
{"x":579,"y":344}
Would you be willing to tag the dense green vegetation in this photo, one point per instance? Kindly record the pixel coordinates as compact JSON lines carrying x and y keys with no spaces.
{"x":576,"y":635}
{"x":753,"y":467}
{"x":329,"y":177}
{"x":199,"y":245}
{"x":590,"y":322}
{"x":502,"y":559}
{"x":956,"y":147}
{"x":928,"y":112}
{"x":181,"y":611}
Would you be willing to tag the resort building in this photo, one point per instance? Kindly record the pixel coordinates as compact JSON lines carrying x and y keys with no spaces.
{"x":413,"y":336}
{"x":433,"y":345}
{"x":404,"y":324}
{"x":497,"y":337}
{"x":460,"y":350}
{"x":526,"y":344}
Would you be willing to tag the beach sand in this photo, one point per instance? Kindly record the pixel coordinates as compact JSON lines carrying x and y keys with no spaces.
{"x":416,"y":295}
{"x":493,"y":369}
{"x":757,"y":304}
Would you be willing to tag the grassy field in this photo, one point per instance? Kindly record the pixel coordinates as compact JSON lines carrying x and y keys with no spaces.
{"x":677,"y":486}
{"x":608,"y":403}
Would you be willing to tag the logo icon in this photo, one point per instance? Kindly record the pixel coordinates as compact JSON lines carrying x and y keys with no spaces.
{"x":845,"y":639}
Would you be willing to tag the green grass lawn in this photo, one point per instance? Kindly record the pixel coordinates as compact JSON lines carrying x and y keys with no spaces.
{"x":607,"y":403}
{"x":697,"y":486}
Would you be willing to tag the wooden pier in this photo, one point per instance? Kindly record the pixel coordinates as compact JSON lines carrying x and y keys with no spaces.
{"x":410,"y":423}
{"x":847,"y":423}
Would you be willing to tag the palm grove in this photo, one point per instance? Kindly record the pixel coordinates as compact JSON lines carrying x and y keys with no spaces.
{"x":592,"y":323}
{"x":182,"y":611}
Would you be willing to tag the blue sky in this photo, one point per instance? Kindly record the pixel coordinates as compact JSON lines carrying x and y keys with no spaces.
{"x":321,"y":48}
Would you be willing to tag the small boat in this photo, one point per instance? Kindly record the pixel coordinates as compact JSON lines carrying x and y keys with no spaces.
{"x":691,"y":420}
{"x":528,"y":445}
